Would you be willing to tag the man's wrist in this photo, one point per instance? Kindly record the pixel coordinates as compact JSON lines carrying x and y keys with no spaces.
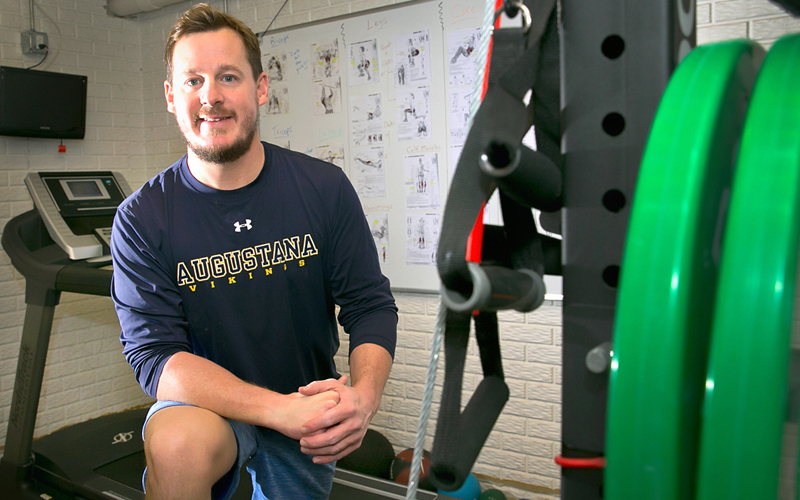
{"x":370,"y":397}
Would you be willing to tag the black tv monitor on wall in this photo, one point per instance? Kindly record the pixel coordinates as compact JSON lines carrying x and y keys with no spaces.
{"x":42,"y":104}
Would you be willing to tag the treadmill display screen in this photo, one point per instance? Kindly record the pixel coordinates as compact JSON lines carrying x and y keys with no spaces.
{"x":84,"y":189}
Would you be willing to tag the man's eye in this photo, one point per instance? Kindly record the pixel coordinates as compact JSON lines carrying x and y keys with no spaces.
{"x":228,"y":78}
{"x":192,"y":82}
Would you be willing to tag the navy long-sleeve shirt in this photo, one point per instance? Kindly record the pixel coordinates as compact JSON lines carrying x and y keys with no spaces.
{"x":248,"y":278}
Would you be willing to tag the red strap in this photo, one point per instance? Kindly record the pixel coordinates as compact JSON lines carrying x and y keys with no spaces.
{"x":581,"y":463}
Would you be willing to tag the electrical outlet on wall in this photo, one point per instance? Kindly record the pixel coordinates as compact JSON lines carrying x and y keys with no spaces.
{"x":34,"y":42}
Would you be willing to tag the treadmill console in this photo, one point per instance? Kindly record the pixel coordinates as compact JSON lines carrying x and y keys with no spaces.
{"x":78,"y":208}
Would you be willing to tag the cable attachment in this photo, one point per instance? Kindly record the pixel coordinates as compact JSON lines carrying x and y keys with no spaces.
{"x":497,"y":288}
{"x":460,"y":435}
{"x":500,"y":159}
{"x":511,"y":8}
{"x":530,"y":178}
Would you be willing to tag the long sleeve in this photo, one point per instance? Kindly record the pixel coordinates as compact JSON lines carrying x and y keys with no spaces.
{"x":367,"y":309}
{"x":146,"y":298}
{"x":248,"y":278}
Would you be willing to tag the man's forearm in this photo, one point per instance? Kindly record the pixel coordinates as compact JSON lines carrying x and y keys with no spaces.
{"x":197,"y":381}
{"x":370,"y":365}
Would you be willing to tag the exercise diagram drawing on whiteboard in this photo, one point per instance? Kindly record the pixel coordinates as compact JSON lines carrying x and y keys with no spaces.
{"x":384,"y":96}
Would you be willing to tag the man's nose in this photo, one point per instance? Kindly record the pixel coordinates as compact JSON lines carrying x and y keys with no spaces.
{"x":211,"y":94}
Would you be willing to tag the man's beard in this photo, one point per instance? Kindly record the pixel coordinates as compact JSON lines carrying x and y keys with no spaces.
{"x":221,"y":155}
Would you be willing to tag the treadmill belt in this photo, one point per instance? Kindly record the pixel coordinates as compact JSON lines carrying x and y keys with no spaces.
{"x":127,"y":470}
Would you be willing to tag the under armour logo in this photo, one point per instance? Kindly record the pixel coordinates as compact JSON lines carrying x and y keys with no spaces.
{"x":240,"y":226}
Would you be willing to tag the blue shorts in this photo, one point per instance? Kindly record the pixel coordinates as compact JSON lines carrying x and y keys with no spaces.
{"x":279,"y":470}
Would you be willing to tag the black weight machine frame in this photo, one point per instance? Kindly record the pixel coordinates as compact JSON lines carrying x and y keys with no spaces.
{"x":615,"y":60}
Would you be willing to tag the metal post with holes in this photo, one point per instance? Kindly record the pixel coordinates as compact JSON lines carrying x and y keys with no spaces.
{"x":617,"y":58}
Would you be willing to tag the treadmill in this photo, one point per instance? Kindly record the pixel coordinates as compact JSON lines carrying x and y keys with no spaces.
{"x":62,"y":246}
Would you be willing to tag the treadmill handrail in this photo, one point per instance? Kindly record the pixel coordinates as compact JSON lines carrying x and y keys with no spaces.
{"x":49,"y":267}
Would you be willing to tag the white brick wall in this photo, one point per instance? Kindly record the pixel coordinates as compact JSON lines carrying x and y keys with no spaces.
{"x":129,"y":130}
{"x":760,"y":20}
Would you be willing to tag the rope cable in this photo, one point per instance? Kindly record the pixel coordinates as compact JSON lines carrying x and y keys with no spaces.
{"x":479,"y":88}
{"x":261,"y":34}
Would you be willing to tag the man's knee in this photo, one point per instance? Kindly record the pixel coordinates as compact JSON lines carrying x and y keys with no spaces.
{"x":189,"y":441}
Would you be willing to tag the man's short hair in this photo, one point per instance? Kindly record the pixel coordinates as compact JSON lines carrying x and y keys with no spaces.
{"x":202,"y":18}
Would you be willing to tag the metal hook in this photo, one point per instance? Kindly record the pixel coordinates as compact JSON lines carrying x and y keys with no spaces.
{"x":519,"y":6}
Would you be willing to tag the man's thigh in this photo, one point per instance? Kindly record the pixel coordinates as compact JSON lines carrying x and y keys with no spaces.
{"x":281,"y":471}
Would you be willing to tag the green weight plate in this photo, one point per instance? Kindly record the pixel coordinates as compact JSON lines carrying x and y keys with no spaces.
{"x":745,"y":400}
{"x":669,"y":274}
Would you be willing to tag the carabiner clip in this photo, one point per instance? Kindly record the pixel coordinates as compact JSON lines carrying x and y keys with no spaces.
{"x":511,"y":9}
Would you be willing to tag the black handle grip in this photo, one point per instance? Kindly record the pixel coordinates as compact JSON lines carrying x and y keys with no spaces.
{"x":526,"y":176}
{"x":86,"y":280}
{"x":496,"y":288}
{"x":453,"y":457}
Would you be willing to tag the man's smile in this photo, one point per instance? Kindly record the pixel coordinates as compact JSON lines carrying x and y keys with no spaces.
{"x":213,"y":118}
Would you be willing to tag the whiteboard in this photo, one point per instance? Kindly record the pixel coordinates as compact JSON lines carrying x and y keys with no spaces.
{"x":384,"y":96}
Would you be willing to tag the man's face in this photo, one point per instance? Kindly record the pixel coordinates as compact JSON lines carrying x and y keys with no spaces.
{"x":213,"y":95}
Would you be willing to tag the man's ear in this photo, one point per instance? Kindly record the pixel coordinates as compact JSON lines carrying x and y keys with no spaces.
{"x":168,"y":95}
{"x":262,"y":88}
